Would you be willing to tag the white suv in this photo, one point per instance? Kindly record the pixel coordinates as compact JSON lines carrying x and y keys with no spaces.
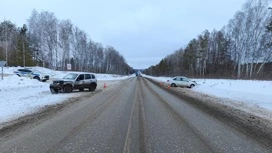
{"x":181,"y":81}
{"x":33,"y":74}
{"x":75,"y":80}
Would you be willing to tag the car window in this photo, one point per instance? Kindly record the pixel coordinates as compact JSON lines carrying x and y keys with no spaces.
{"x":36,"y":72}
{"x":88,"y":76}
{"x":181,"y":79}
{"x":70,"y":76}
{"x":175,"y":79}
{"x":80,"y":77}
{"x":24,"y":70}
{"x":93,"y":77}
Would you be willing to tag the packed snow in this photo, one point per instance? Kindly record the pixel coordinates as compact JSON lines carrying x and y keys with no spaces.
{"x":250,"y":92}
{"x":20,"y":96}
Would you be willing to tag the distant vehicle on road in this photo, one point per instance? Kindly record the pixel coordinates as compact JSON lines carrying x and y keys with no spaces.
{"x":33,"y":74}
{"x":181,"y":81}
{"x":138,"y":74}
{"x":74,"y":81}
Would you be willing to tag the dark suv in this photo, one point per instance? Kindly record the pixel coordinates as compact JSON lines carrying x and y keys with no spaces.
{"x":74,"y":81}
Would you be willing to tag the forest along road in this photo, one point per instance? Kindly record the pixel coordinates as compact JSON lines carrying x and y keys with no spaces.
{"x":135,"y":116}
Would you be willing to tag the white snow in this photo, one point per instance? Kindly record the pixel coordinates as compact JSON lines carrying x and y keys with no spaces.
{"x":60,"y":74}
{"x":253,"y":93}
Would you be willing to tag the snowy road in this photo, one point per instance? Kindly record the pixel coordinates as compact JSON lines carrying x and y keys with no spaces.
{"x":135,"y":116}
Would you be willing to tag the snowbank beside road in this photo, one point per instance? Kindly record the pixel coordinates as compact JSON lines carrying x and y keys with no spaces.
{"x":60,"y":74}
{"x":14,"y":82}
{"x":20,"y":96}
{"x":252,"y":93}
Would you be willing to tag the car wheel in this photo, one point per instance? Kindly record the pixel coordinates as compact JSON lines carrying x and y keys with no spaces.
{"x":68,"y":88}
{"x":173,"y":85}
{"x":92,"y":87}
{"x":54,"y":91}
{"x":81,"y":89}
{"x":36,"y":77}
{"x":192,"y":85}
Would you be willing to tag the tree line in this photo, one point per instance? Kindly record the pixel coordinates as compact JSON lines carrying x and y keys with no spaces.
{"x":241,"y":49}
{"x":49,"y":42}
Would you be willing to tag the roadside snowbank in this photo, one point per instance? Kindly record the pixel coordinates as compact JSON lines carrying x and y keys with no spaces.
{"x":20,"y":96}
{"x":252,"y":93}
{"x":60,"y":74}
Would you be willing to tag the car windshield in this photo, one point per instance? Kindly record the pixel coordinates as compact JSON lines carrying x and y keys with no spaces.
{"x":36,"y":72}
{"x":185,"y":79}
{"x":70,"y":76}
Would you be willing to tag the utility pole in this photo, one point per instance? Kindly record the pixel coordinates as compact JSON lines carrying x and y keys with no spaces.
{"x":6,"y":45}
{"x":24,"y":50}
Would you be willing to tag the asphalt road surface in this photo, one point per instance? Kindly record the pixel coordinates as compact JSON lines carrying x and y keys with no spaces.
{"x":135,"y":116}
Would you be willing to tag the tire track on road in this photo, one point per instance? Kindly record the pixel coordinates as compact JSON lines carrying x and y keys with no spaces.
{"x":127,"y":145}
{"x":138,"y":117}
{"x":145,"y":145}
{"x":179,"y":118}
{"x":92,"y":116}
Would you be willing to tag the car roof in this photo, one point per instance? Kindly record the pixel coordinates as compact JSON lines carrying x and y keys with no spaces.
{"x":179,"y":77}
{"x":80,"y":73}
{"x":23,"y":69}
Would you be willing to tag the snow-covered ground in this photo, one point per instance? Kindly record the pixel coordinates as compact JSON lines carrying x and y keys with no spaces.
{"x":60,"y":74}
{"x":252,"y":93}
{"x":20,"y":96}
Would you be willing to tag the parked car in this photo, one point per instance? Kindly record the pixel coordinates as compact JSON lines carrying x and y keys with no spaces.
{"x":33,"y":74}
{"x":181,"y":81}
{"x":74,"y":81}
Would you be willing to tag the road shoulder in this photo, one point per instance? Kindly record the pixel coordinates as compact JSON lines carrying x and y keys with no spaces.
{"x":257,"y":123}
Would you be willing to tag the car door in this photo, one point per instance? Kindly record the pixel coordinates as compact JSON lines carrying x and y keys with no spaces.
{"x":88,"y":80}
{"x":181,"y":82}
{"x":178,"y":82}
{"x":24,"y":72}
{"x":175,"y":81}
{"x":186,"y":82}
{"x":79,"y":83}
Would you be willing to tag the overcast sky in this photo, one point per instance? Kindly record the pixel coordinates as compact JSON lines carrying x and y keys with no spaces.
{"x":144,"y":31}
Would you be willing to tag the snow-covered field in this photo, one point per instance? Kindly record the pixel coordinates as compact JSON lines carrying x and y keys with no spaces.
{"x":60,"y":74}
{"x":20,"y":96}
{"x":251,"y":93}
